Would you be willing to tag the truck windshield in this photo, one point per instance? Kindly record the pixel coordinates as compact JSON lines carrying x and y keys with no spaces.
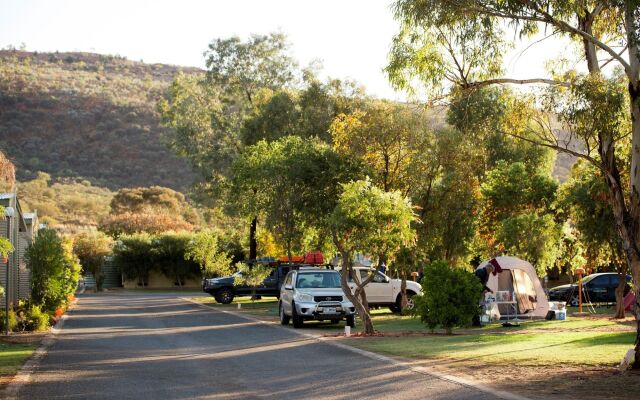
{"x":318,"y":280}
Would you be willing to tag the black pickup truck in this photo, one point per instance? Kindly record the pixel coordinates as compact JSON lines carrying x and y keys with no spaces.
{"x":224,"y":291}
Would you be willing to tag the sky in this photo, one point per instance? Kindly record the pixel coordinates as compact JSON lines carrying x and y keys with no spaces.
{"x":350,"y":37}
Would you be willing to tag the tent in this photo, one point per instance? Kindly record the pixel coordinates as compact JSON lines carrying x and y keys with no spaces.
{"x":519,"y":277}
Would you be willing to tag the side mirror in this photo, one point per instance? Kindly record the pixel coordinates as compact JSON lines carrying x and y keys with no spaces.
{"x":288,"y":287}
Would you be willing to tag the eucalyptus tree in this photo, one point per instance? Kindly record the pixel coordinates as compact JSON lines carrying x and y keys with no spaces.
{"x":369,"y":220}
{"x":292,"y":183}
{"x":461,"y":42}
{"x":206,"y":112}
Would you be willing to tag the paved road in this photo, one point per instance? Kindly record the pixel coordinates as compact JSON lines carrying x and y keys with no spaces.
{"x":163,"y":347}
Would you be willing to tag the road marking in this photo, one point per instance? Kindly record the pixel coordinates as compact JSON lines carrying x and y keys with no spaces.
{"x":379,"y":357}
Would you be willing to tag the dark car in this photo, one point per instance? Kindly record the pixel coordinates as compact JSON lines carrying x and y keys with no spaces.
{"x":224,"y":290}
{"x":596,"y":288}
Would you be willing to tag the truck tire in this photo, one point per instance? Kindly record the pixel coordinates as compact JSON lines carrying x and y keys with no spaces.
{"x":351,"y":321}
{"x":224,"y":296}
{"x":396,"y":308}
{"x":284,"y":319}
{"x":295,"y":318}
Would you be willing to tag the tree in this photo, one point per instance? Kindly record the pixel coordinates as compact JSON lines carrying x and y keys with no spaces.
{"x":169,"y":252}
{"x":153,"y":210}
{"x":597,"y":27}
{"x":251,"y":276}
{"x":206,"y":113}
{"x":133,"y":254}
{"x":518,"y":214}
{"x":131,"y":223}
{"x":205,"y":249}
{"x":54,"y":270}
{"x":584,"y":197}
{"x":390,"y":138}
{"x":92,"y":249}
{"x":371,"y":221}
{"x":293,"y":183}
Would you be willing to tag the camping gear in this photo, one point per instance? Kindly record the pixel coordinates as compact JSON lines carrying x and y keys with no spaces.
{"x":629,"y":301}
{"x":295,"y":259}
{"x":314,"y":257}
{"x":557,"y":310}
{"x":519,"y":277}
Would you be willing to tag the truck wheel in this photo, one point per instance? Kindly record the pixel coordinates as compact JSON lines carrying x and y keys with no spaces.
{"x":284,"y":319}
{"x":296,"y":319}
{"x":224,"y":296}
{"x":398,"y":306}
{"x":351,"y":321}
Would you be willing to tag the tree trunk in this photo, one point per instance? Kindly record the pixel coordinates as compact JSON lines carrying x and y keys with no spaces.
{"x":359,"y":302}
{"x":253,"y":243}
{"x":403,"y":289}
{"x":620,"y":294}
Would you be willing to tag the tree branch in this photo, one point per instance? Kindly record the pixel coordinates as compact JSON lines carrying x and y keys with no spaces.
{"x":498,"y":81}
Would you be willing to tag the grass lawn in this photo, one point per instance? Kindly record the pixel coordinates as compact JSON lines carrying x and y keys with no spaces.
{"x":12,"y":356}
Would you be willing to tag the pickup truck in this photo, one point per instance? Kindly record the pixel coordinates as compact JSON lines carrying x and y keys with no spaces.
{"x":224,"y":291}
{"x":385,"y":291}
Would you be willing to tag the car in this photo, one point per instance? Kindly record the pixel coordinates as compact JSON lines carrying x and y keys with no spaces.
{"x":314,"y":294}
{"x":596,"y":288}
{"x":383,"y":291}
{"x":224,"y":290}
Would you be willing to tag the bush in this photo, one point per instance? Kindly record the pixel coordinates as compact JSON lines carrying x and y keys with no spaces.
{"x":451,"y":297}
{"x":54,"y":270}
{"x":13,"y":321}
{"x":30,"y":317}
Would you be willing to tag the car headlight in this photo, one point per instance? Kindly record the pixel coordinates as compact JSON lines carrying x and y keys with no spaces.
{"x":303,"y":297}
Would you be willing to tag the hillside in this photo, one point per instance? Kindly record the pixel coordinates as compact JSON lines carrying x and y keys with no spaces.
{"x":89,"y":116}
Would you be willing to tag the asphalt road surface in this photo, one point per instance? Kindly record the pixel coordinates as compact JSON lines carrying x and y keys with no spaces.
{"x":163,"y":347}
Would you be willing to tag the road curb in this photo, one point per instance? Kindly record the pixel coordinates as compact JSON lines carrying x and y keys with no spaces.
{"x":375,"y":356}
{"x":28,"y":368}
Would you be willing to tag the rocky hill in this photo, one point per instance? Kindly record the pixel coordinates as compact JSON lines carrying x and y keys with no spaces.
{"x":89,"y":116}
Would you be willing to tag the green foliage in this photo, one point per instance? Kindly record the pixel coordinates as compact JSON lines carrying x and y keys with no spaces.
{"x":13,"y":320}
{"x":450,"y":297}
{"x":292,"y":182}
{"x":134,"y":257}
{"x":205,"y":249}
{"x":585,"y":200}
{"x":30,"y":318}
{"x":169,"y":252}
{"x":54,"y":270}
{"x":251,"y":276}
{"x":92,"y":249}
{"x":263,"y":61}
{"x":518,"y":214}
{"x":390,"y":138}
{"x":370,"y":221}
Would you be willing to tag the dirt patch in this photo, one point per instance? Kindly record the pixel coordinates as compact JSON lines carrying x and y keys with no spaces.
{"x":605,"y":383}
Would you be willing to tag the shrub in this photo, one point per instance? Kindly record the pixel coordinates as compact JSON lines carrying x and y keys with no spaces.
{"x":451,"y":297}
{"x":54,"y":270}
{"x":134,"y":257}
{"x":13,"y":321}
{"x":30,"y":317}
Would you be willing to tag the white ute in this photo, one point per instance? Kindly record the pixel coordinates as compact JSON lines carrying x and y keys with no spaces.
{"x":384,"y":291}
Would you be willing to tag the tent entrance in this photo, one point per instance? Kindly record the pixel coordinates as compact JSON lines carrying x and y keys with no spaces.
{"x":517,"y":281}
